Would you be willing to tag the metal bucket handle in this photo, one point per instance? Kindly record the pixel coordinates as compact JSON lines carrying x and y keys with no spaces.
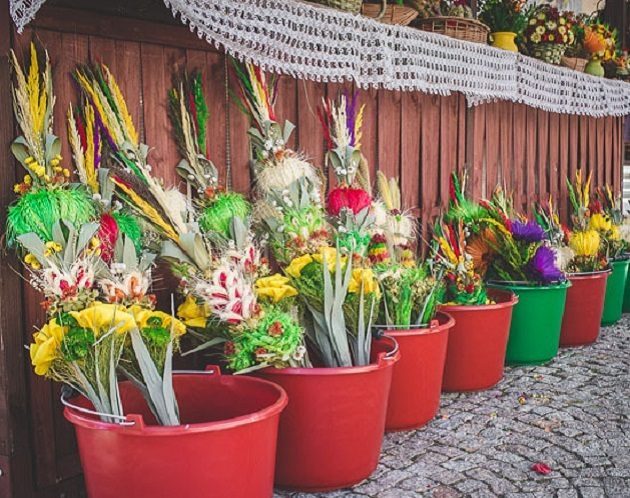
{"x":131,"y":419}
{"x":391,"y":354}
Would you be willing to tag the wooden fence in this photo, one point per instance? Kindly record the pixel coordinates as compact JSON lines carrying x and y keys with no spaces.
{"x":418,"y":137}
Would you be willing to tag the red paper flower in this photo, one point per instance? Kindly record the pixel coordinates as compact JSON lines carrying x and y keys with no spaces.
{"x":541,"y":468}
{"x":355,"y":199}
{"x":107,"y":235}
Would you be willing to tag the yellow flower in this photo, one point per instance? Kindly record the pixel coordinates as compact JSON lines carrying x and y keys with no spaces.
{"x":46,"y":347}
{"x":276,"y":287}
{"x":331,"y":257}
{"x":102,"y":317}
{"x":614,"y":233}
{"x":363,"y":278}
{"x":297,"y":265}
{"x":32,"y":261}
{"x":143,"y":315}
{"x":27,"y":180}
{"x":585,"y":244}
{"x":193,"y":314}
{"x":599,"y":222}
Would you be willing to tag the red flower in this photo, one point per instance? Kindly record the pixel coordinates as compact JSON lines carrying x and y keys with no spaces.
{"x":107,"y":235}
{"x":275,"y":329}
{"x":541,"y":468}
{"x":355,"y":199}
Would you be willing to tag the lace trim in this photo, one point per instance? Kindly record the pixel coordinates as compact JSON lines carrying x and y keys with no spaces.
{"x":312,"y":42}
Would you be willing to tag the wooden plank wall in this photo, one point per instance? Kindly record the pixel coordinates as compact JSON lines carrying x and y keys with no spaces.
{"x":419,"y":138}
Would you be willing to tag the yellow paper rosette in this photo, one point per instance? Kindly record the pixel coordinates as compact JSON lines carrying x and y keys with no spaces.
{"x":276,"y":287}
{"x":193,"y":314}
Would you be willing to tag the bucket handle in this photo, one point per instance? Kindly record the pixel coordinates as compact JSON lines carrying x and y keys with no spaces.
{"x":122,"y":419}
{"x":391,"y":354}
{"x":131,"y":420}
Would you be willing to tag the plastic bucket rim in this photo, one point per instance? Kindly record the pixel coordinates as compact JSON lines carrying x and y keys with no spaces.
{"x":511,"y":302}
{"x":275,"y":408}
{"x":443,"y":319}
{"x":380,"y":363}
{"x":502,"y":284}
{"x":589,"y":275}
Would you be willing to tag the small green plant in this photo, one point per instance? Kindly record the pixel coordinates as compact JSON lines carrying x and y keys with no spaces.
{"x":505,"y":15}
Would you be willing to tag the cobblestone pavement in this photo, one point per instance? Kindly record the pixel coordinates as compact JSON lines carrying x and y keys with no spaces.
{"x":572,"y":414}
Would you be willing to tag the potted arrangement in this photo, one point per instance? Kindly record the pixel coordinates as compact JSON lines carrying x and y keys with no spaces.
{"x":600,"y":43}
{"x":549,"y":33}
{"x":606,"y":218}
{"x":164,"y":411}
{"x":521,"y":261}
{"x":624,"y":232}
{"x":331,"y":433}
{"x":478,"y":340}
{"x":411,"y":291}
{"x":579,"y":255}
{"x":506,"y":19}
{"x":575,"y":56}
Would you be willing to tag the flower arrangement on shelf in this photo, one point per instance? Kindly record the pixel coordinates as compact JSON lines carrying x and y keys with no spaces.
{"x":507,"y":19}
{"x":549,"y":33}
{"x":600,"y":43}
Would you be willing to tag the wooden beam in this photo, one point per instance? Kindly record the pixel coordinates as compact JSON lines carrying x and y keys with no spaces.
{"x":119,"y":28}
{"x":14,"y":431}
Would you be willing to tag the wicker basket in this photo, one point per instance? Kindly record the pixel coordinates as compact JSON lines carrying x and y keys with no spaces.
{"x":353,"y":6}
{"x":389,"y":14}
{"x":576,"y":63}
{"x":456,"y":27}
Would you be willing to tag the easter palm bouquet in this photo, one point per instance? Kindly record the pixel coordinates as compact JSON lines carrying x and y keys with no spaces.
{"x":521,"y":253}
{"x":289,"y":204}
{"x":45,"y":195}
{"x":411,"y":289}
{"x":463,"y":285}
{"x":607,"y":218}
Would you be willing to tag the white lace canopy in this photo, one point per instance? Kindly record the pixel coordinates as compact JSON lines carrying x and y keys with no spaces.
{"x":308,"y":41}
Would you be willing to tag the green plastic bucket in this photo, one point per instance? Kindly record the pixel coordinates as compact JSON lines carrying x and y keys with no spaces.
{"x":536,"y":322}
{"x":615,"y":290}
{"x":626,"y":296}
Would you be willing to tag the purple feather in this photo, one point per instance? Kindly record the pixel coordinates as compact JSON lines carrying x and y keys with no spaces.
{"x":543,"y":265}
{"x":527,"y":232}
{"x":103,"y":129}
{"x":97,"y":143}
{"x":351,"y":109}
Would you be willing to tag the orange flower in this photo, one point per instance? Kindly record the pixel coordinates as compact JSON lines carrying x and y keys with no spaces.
{"x":480,"y":249}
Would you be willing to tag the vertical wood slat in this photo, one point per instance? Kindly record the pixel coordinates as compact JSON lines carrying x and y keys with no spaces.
{"x":388,"y":126}
{"x":410,"y":151}
{"x":369,"y":142}
{"x":531,"y":159}
{"x":506,"y":146}
{"x":430,"y":150}
{"x":600,"y":140}
{"x":542,"y":155}
{"x":553,"y":169}
{"x":157,"y":66}
{"x":563,"y":161}
{"x":309,"y":130}
{"x":492,"y":126}
{"x":448,"y":145}
{"x":519,"y":151}
{"x":475,"y":152}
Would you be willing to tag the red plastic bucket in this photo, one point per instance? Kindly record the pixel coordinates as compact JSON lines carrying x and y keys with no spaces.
{"x":476,"y":344}
{"x":417,"y":381}
{"x":331,"y":432}
{"x":583,"y":309}
{"x":225,"y":448}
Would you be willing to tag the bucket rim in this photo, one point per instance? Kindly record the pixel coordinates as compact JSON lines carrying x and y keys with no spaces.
{"x":136,"y":425}
{"x":441,"y":321}
{"x":381,"y":362}
{"x":589,"y":275}
{"x":511,"y":300}
{"x":522,"y":286}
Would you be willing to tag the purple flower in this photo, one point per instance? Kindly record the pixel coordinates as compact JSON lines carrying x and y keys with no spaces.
{"x":529,"y":231}
{"x":543,"y":265}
